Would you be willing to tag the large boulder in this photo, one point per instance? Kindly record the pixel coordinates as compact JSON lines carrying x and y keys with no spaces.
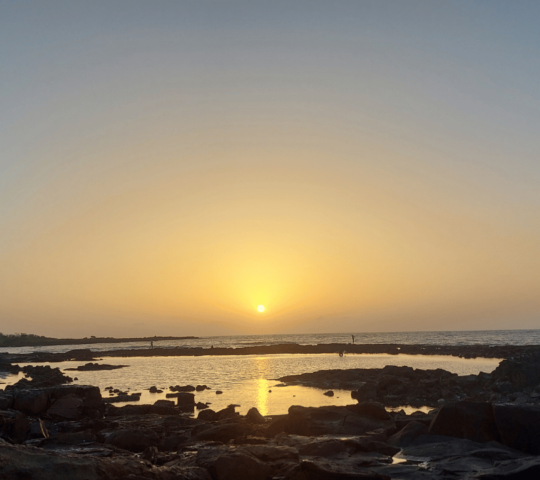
{"x":332,"y":420}
{"x":32,"y":402}
{"x":471,"y":420}
{"x":519,"y":426}
{"x":69,"y":407}
{"x":253,"y":416}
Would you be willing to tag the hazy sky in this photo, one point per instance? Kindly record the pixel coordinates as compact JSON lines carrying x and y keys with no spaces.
{"x":166,"y":167}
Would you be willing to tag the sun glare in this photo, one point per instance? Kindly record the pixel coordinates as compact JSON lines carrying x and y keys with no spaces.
{"x":260,"y":308}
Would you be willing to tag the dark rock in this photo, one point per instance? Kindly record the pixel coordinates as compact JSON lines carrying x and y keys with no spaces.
{"x":519,"y":426}
{"x":134,"y":397}
{"x":408,"y":434}
{"x":69,"y":407}
{"x":268,"y":453}
{"x":6,"y":401}
{"x":365,"y":393}
{"x":372,"y":410}
{"x":150,"y":454}
{"x":186,"y":388}
{"x":253,"y":416}
{"x":201,"y":406}
{"x":185,"y":398}
{"x":133,"y":440}
{"x":93,"y":367}
{"x":471,"y":420}
{"x":164,"y":403}
{"x":223,"y":433}
{"x":329,"y":393}
{"x":32,"y":402}
{"x":231,"y":464}
{"x":207,"y":415}
{"x":218,"y":392}
{"x":200,"y":388}
{"x":228,"y":412}
{"x":322,"y":448}
{"x":325,"y":470}
{"x":522,"y":469}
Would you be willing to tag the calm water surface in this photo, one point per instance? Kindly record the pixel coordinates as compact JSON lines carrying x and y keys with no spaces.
{"x":246,"y":380}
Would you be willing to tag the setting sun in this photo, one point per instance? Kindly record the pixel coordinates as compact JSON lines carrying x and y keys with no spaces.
{"x":260,"y":308}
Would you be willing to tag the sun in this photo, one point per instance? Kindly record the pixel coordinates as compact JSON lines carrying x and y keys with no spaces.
{"x":260,"y":308}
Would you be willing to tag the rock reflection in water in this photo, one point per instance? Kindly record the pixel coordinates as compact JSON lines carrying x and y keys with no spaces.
{"x":245,"y":380}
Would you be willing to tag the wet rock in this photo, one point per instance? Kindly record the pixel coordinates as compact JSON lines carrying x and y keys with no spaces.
{"x":322,"y":448}
{"x":93,"y":367}
{"x":134,"y":397}
{"x":471,"y":420}
{"x":253,"y":416}
{"x":268,"y":453}
{"x":42,"y":376}
{"x":200,"y":388}
{"x":408,"y":434}
{"x":133,"y":440}
{"x":218,"y":392}
{"x":32,"y":402}
{"x":201,"y":406}
{"x":185,"y":388}
{"x":232,"y":464}
{"x":69,"y":407}
{"x":185,"y":398}
{"x":164,"y":403}
{"x":326,"y":470}
{"x":522,"y":469}
{"x":6,"y":401}
{"x":329,"y":393}
{"x":365,"y":393}
{"x":150,"y":454}
{"x":207,"y":415}
{"x":223,"y":433}
{"x":372,"y":410}
{"x":228,"y":412}
{"x":518,"y":426}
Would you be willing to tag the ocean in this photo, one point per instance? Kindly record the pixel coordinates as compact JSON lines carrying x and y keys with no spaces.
{"x":483,"y":337}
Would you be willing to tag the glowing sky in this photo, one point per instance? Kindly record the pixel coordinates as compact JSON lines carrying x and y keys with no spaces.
{"x":166,"y":167}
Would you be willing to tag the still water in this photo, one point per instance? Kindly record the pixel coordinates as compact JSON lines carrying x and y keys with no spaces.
{"x":246,"y":380}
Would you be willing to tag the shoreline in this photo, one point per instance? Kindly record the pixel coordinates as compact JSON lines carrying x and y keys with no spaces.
{"x":462,"y":351}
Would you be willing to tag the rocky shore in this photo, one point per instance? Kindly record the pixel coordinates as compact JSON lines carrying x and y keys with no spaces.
{"x":462,"y":351}
{"x":479,"y":427}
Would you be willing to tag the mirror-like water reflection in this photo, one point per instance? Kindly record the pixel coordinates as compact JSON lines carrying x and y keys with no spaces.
{"x":246,"y":380}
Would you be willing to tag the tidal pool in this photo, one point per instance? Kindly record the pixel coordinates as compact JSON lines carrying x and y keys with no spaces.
{"x":247,"y":380}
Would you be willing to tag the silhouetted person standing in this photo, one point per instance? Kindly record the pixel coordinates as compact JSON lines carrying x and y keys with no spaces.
{"x":352,"y":339}
{"x":151,"y":343}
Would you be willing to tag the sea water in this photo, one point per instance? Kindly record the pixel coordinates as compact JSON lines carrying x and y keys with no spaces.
{"x":483,"y":337}
{"x":251,"y":380}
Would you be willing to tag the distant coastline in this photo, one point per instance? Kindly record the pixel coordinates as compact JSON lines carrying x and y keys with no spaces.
{"x":30,"y":340}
